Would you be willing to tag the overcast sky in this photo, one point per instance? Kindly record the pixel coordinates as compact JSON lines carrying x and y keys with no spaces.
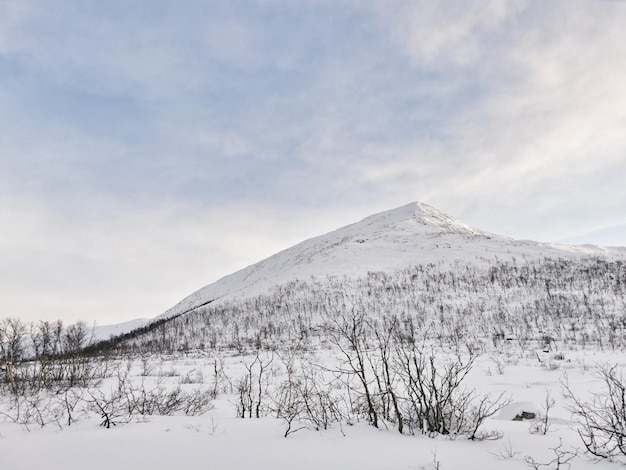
{"x":149,"y":147}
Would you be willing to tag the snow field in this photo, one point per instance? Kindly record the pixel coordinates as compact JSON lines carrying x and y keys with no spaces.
{"x":218,"y":439}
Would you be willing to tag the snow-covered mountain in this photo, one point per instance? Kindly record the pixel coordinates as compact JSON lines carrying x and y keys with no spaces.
{"x":414,"y":234}
{"x":609,"y":236}
{"x":102,"y":332}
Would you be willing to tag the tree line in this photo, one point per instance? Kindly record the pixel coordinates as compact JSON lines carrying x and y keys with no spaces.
{"x":570,"y":302}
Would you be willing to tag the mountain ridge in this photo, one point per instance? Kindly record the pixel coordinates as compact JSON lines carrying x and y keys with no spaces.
{"x":608,"y":236}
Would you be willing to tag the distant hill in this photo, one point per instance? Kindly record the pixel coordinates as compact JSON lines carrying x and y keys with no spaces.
{"x":610,"y":236}
{"x":102,"y":332}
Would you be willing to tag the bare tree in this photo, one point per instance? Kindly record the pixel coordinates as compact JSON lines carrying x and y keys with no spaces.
{"x":251,"y":387}
{"x":385,"y":338}
{"x":349,"y":332}
{"x":12,"y":335}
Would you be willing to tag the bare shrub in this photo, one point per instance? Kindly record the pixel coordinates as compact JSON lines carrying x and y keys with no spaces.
{"x":437,"y":403}
{"x":127,"y":400}
{"x":603,"y":416}
{"x":542,"y":425}
{"x":304,"y":400}
{"x":560,"y":461}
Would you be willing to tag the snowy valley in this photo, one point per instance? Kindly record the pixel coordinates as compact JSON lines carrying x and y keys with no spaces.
{"x":405,"y":340}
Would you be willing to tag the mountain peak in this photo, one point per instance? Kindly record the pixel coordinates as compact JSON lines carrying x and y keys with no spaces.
{"x":421,"y":214}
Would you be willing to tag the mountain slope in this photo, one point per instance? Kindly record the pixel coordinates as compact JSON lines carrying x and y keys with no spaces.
{"x":414,"y":234}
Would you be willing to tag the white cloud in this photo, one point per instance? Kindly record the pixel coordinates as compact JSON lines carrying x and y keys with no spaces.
{"x":549,"y":123}
{"x":447,"y":32}
{"x":560,"y":118}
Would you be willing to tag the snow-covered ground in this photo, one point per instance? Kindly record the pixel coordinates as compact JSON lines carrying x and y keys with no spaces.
{"x":218,"y":439}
